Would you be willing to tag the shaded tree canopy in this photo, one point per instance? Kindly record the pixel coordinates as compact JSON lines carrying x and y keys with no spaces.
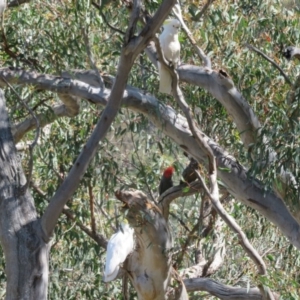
{"x":93,"y":135}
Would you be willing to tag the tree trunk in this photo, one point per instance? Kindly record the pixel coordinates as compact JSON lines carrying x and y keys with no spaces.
{"x":26,"y":253}
{"x":149,"y":266}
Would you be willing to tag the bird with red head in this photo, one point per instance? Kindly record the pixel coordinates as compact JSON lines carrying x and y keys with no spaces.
{"x":166,"y":181}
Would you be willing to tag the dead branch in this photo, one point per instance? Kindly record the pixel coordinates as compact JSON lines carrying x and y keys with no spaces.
{"x":213,"y":192}
{"x":231,"y":173}
{"x":222,"y":291}
{"x":271,"y":61}
{"x":149,"y":266}
{"x":177,"y":12}
{"x":98,"y":238}
{"x":93,"y":221}
{"x":129,"y":52}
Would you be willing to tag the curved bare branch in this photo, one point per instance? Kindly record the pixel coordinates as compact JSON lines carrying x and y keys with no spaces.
{"x":177,"y":12}
{"x":248,"y":190}
{"x":222,"y":291}
{"x":132,"y":48}
{"x":251,"y":47}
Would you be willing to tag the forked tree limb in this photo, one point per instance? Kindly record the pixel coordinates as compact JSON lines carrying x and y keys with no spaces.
{"x":98,"y":238}
{"x":131,"y":49}
{"x":177,"y":12}
{"x":222,"y":291}
{"x":213,"y":191}
{"x":220,"y":85}
{"x":233,"y":175}
{"x":149,"y":266}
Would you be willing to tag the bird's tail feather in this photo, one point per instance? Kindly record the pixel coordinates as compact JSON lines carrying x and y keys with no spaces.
{"x":165,"y":80}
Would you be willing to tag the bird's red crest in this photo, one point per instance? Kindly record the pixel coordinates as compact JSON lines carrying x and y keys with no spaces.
{"x":168,"y":172}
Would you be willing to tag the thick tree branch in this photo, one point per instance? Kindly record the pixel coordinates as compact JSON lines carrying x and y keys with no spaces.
{"x":128,"y":54}
{"x":290,"y":52}
{"x":213,"y":192}
{"x":149,"y":266}
{"x":20,"y":231}
{"x":222,"y":88}
{"x":220,"y":85}
{"x":37,"y":133}
{"x":249,"y":191}
{"x":222,"y":291}
{"x":48,"y":117}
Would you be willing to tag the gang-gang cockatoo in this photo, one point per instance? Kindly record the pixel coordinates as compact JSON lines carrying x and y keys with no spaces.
{"x":170,"y":47}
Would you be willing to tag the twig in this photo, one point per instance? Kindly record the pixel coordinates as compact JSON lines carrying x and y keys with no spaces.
{"x":205,"y":229}
{"x":235,"y":227}
{"x":142,"y":170}
{"x":37,"y":133}
{"x":189,"y":238}
{"x":41,"y":102}
{"x":206,"y":60}
{"x":105,"y":20}
{"x":180,"y":221}
{"x":213,"y":193}
{"x":203,"y":10}
{"x":93,"y":222}
{"x":91,"y":58}
{"x":271,"y":61}
{"x":114,"y":228}
{"x":98,"y":238}
{"x":134,"y":17}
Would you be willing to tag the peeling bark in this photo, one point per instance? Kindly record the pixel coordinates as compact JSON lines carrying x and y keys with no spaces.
{"x":248,"y":190}
{"x":149,"y":266}
{"x":26,"y":253}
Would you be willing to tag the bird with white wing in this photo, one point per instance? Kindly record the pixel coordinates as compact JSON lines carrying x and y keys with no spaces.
{"x":170,"y":47}
{"x":119,"y":246}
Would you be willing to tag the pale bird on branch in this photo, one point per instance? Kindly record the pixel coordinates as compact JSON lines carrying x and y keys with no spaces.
{"x":119,"y":246}
{"x":170,"y":47}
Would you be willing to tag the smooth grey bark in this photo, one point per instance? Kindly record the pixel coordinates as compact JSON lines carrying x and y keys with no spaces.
{"x":248,"y":190}
{"x":133,"y":46}
{"x":27,"y":275}
{"x":26,"y":253}
{"x":222,"y":291}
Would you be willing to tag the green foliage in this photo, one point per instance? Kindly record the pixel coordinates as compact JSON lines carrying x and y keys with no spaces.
{"x":49,"y":39}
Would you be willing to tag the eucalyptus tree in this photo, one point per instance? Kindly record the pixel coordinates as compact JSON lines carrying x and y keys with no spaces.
{"x":86,"y":119}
